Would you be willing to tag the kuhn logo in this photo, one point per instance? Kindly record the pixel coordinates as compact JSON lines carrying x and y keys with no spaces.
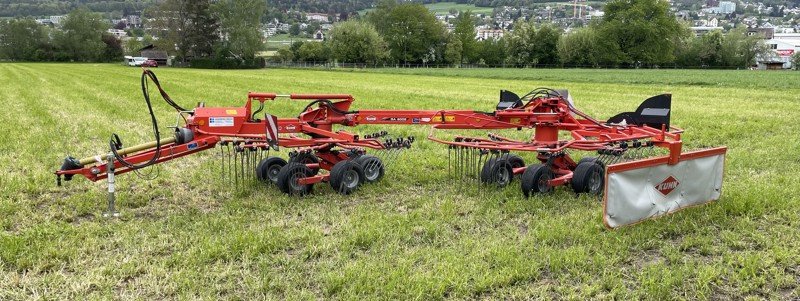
{"x":668,"y":185}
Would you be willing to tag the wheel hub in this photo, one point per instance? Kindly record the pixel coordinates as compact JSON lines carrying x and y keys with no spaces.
{"x":350,"y":179}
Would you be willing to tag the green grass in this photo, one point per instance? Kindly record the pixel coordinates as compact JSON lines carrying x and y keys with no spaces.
{"x":442,"y":8}
{"x":445,"y":7}
{"x":283,"y":40}
{"x":416,"y":234}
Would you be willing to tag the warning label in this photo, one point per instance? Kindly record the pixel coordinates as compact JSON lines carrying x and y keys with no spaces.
{"x":220,"y":121}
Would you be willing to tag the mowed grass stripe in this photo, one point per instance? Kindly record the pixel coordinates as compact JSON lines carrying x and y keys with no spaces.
{"x":415,"y":235}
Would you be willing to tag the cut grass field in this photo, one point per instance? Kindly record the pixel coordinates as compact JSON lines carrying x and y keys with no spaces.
{"x":415,"y":235}
{"x":443,"y":8}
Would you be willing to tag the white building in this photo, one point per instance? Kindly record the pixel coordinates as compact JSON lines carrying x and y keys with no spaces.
{"x":119,"y":33}
{"x":485,"y":34}
{"x":56,"y":20}
{"x":702,"y":30}
{"x":322,"y":18}
{"x":725,"y":7}
{"x":134,"y":21}
{"x":782,"y":50}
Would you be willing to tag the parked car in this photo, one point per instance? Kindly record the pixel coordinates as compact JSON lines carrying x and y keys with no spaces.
{"x":135,"y":61}
{"x":149,"y":63}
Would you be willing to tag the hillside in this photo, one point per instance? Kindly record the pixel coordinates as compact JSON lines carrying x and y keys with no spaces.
{"x":34,"y":8}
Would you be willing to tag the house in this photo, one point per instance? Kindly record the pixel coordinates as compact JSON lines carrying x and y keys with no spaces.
{"x":56,"y":20}
{"x":133,"y":21}
{"x":781,"y":55}
{"x":119,"y":33}
{"x":319,"y":35}
{"x":767,"y":32}
{"x":702,"y":30}
{"x":322,"y":18}
{"x":153,"y":53}
{"x":485,"y":34}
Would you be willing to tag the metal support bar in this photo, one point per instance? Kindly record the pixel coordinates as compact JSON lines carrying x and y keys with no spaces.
{"x":111,"y":211}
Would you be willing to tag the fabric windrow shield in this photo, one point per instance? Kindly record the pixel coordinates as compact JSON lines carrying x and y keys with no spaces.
{"x":640,"y":190}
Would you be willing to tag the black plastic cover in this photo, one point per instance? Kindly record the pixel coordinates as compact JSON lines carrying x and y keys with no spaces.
{"x":508,"y":100}
{"x":653,"y":112}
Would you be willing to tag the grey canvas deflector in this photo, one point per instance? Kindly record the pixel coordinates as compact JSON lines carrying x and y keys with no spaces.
{"x":642,"y":193}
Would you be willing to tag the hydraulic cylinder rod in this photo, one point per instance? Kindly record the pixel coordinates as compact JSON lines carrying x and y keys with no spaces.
{"x":131,"y":149}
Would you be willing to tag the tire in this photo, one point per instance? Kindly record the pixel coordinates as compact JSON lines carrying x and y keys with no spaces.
{"x":515,"y":160}
{"x":534,"y":180}
{"x":498,"y":172}
{"x":588,"y":178}
{"x":288,"y":176}
{"x":346,"y":176}
{"x":591,"y":159}
{"x":488,"y":168}
{"x":306,"y":158}
{"x":268,"y":169}
{"x":373,"y":168}
{"x":486,"y":171}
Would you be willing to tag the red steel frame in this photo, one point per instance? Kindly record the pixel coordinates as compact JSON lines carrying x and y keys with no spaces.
{"x":547,"y":116}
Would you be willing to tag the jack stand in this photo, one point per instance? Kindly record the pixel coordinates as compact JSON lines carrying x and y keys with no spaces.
{"x":111,"y":211}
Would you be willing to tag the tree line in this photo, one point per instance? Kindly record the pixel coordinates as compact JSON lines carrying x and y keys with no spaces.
{"x":226,"y":34}
{"x":633,"y":33}
{"x":15,"y":8}
{"x":82,"y":37}
{"x":218,"y":34}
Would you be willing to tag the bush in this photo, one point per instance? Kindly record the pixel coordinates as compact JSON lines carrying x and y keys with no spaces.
{"x":227,"y":63}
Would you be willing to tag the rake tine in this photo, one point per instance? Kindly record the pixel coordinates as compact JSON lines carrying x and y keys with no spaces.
{"x":227,"y":158}
{"x":235,"y":168}
{"x":222,"y":160}
{"x":449,"y":149}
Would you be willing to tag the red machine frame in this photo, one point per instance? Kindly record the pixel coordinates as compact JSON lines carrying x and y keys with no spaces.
{"x":547,"y":115}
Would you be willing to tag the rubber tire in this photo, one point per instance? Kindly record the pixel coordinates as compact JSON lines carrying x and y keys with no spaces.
{"x":582,"y":178}
{"x":306,"y":158}
{"x":531,"y":178}
{"x":515,"y":160}
{"x":591,"y":159}
{"x":486,"y":171}
{"x":490,"y":171}
{"x":285,"y":177}
{"x":367,"y":161}
{"x":338,"y":173}
{"x":263,"y":168}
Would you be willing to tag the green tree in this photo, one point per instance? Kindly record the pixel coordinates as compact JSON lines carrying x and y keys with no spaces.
{"x":464,"y":33}
{"x":186,"y":28}
{"x":796,"y":61}
{"x":313,"y":52}
{"x":522,"y":45}
{"x":202,"y":35}
{"x":491,"y":52}
{"x":453,"y":53}
{"x":546,"y":45}
{"x":113,"y":49}
{"x":741,"y":49}
{"x":22,"y":40}
{"x":579,"y":48}
{"x":240,"y":26}
{"x":411,"y":31}
{"x":80,"y":38}
{"x":294,"y":29}
{"x":284,"y":55}
{"x":639,"y":32}
{"x":356,"y":42}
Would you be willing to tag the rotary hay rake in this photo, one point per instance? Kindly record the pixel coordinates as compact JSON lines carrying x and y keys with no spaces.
{"x":639,"y":169}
